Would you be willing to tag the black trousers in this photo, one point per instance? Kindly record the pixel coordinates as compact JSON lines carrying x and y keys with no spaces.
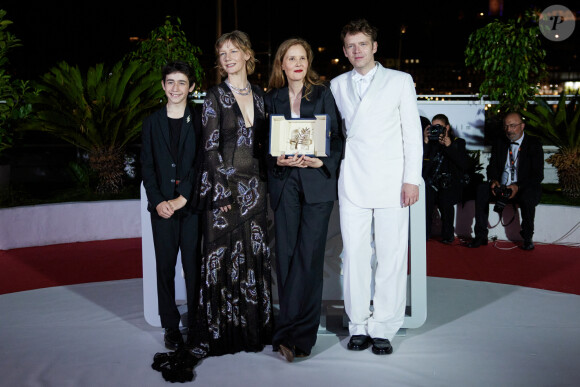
{"x":180,"y":232}
{"x":301,"y":230}
{"x":527,"y":200}
{"x":444,"y":199}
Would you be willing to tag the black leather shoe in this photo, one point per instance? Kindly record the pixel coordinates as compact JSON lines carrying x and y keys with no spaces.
{"x":528,"y":244}
{"x":448,"y":241}
{"x":173,"y":339}
{"x":287,"y":351}
{"x":359,"y":342}
{"x":300,"y":353}
{"x":382,"y":347}
{"x":477,"y":241}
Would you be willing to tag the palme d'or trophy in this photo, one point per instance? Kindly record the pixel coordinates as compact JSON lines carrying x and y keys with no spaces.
{"x":301,"y":138}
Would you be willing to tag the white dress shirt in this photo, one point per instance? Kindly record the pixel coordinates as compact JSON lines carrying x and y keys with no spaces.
{"x":509,"y":177}
{"x":362,"y":82}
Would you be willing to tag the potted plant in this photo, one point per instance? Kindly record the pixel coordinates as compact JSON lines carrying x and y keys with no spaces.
{"x":559,"y":126}
{"x":512,"y":59}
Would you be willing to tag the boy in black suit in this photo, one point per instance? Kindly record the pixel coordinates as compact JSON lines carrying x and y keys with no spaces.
{"x":169,"y":166}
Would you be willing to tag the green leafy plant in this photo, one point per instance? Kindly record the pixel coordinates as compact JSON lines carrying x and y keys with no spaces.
{"x":559,"y":126}
{"x":168,"y":43}
{"x":511,"y":57}
{"x":13,"y":92}
{"x":474,"y":164}
{"x":99,"y":112}
{"x":81,"y":174}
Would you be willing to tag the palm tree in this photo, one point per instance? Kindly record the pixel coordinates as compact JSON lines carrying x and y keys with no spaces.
{"x":99,"y":112}
{"x":560,"y":127}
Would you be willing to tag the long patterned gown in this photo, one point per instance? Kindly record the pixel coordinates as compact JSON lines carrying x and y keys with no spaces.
{"x":235,"y":308}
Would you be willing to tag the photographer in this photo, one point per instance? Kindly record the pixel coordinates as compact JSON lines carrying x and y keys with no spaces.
{"x":444,"y":163}
{"x":515,"y":172}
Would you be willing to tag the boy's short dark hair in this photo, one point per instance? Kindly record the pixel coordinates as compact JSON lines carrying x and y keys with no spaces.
{"x":179,"y":67}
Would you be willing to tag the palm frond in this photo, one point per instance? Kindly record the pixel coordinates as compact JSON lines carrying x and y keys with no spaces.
{"x":99,"y":111}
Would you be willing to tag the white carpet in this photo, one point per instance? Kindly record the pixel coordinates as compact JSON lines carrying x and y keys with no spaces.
{"x":476,"y":334}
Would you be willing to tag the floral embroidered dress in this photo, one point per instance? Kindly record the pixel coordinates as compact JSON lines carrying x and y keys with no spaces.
{"x":235,"y":308}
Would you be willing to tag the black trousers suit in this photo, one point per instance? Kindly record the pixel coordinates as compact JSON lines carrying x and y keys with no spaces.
{"x":527,"y":199}
{"x":444,"y":199}
{"x":302,"y":200}
{"x":530,"y":173}
{"x":301,"y":230}
{"x":180,"y":232}
{"x":166,"y":176}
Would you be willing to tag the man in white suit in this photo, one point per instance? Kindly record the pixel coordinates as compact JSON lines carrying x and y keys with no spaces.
{"x":379,"y":179}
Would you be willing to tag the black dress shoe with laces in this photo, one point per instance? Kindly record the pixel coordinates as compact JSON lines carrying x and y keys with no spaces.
{"x":478,"y":241}
{"x":359,"y":342}
{"x":528,"y":244}
{"x":173,"y":339}
{"x":382,"y":346}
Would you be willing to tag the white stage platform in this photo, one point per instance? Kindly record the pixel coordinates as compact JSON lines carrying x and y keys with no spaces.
{"x":476,"y":334}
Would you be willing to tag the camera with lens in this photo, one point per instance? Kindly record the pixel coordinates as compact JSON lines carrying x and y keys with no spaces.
{"x":435,"y":131}
{"x":502,"y":193}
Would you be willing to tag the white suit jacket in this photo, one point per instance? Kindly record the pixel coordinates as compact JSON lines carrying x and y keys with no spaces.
{"x":384,"y":140}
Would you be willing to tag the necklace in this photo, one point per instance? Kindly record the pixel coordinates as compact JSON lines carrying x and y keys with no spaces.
{"x":245,"y":91}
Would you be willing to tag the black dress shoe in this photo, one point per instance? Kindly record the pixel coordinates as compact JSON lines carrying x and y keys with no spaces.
{"x":359,"y":342}
{"x":287,"y":351}
{"x":300,"y":353}
{"x":478,"y":241}
{"x":528,"y":244}
{"x":448,"y":241}
{"x":382,"y":347}
{"x":173,"y":339}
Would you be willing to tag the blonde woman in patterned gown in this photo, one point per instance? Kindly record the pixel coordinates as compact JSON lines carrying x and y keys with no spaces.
{"x":235,"y":308}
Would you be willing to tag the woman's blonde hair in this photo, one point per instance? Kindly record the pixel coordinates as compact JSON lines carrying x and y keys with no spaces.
{"x":240,"y":40}
{"x":278,"y":78}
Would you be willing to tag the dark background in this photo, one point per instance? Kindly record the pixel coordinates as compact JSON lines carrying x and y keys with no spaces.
{"x":87,"y":33}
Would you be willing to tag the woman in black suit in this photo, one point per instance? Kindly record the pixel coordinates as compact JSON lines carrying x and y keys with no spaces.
{"x":444,"y":161}
{"x":302,"y":193}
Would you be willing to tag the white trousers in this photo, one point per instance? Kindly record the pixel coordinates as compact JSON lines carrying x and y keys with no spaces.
{"x":391,"y":239}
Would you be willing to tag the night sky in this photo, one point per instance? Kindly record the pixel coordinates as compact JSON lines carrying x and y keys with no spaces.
{"x":91,"y":32}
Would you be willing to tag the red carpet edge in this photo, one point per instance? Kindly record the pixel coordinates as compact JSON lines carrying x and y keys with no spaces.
{"x":549,"y":267}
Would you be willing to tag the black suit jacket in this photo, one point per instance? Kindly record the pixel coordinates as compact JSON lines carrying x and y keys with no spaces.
{"x":455,"y":160}
{"x":530,"y":163}
{"x":319,"y":184}
{"x":160,"y":171}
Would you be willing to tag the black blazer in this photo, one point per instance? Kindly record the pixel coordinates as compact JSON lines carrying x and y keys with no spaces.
{"x":319,"y":184}
{"x":530,"y":162}
{"x":160,"y":171}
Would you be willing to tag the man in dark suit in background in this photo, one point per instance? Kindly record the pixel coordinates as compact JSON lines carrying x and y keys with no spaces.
{"x":169,"y":157}
{"x":516,"y":164}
